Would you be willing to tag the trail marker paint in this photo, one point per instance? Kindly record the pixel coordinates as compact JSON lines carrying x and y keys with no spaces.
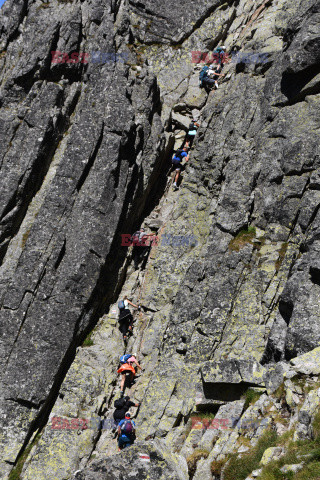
{"x":144,"y":457}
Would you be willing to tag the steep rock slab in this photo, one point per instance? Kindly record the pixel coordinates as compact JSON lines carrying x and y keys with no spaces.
{"x":68,"y":268}
{"x":169,"y":22}
{"x":242,"y":172}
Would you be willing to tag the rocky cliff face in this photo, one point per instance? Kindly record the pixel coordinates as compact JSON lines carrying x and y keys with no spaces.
{"x":233,"y":284}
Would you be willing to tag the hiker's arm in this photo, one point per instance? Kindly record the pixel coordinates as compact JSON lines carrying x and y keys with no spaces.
{"x":135,"y":306}
{"x":220,"y":74}
{"x":119,"y":430}
{"x":139,"y":366}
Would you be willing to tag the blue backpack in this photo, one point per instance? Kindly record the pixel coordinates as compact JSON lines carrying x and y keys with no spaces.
{"x":203,"y":75}
{"x":121,"y":305}
{"x":124,"y":358}
{"x":178,"y":153}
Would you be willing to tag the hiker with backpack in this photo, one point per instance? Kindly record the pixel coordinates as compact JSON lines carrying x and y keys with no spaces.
{"x":122,"y":405}
{"x":205,"y":80}
{"x":192,"y":132}
{"x":129,"y":358}
{"x":215,"y":74}
{"x":220,"y":55}
{"x":126,"y":432}
{"x":177,"y":158}
{"x":127,"y":372}
{"x":125,"y":317}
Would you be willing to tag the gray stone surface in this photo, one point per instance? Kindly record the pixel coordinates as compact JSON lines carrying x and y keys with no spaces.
{"x":161,"y":464}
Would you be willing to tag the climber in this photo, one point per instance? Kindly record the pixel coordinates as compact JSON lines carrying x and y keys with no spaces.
{"x":203,"y":76}
{"x":210,"y":76}
{"x":129,"y":358}
{"x":125,"y":317}
{"x":140,"y":246}
{"x":220,"y":56}
{"x":216,"y":73}
{"x":176,"y":162}
{"x":192,"y":133}
{"x":126,"y":432}
{"x":128,"y":373}
{"x":122,"y":405}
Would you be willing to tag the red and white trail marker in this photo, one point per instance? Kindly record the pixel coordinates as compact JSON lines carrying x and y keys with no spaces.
{"x":144,"y":457}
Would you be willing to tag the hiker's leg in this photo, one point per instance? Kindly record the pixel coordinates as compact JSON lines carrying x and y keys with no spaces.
{"x":126,"y":326}
{"x":120,"y":443}
{"x":130,"y":324}
{"x":130,"y":378}
{"x":191,"y":140}
{"x":177,"y":176}
{"x":135,"y":254}
{"x":123,"y":380}
{"x":127,"y":379}
{"x":123,"y":327}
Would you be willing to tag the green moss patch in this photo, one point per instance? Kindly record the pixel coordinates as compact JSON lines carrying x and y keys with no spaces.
{"x":242,"y":239}
{"x":15,"y":473}
{"x":282,"y":254}
{"x":193,"y":459}
{"x":88,"y":342}
{"x":251,"y":396}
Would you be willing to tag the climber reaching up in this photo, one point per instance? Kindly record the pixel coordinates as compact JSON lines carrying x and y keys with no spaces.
{"x":127,"y":372}
{"x":129,"y":358}
{"x":179,"y":155}
{"x":203,"y":76}
{"x":122,"y":405}
{"x":220,"y":55}
{"x":209,"y":76}
{"x":125,"y":317}
{"x":193,"y":127}
{"x":126,"y":432}
{"x":215,"y":74}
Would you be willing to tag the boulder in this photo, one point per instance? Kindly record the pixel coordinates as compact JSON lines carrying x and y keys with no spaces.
{"x":272,"y":453}
{"x":295,"y":468}
{"x":143,"y":461}
{"x":308,"y":363}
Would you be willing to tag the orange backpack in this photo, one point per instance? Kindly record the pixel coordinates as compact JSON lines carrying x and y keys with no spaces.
{"x":126,"y":368}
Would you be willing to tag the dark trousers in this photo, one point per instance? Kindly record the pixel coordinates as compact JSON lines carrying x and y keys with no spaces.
{"x":125,"y":321}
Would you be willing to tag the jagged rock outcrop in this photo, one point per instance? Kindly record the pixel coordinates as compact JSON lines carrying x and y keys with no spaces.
{"x":143,"y":461}
{"x":85,"y":152}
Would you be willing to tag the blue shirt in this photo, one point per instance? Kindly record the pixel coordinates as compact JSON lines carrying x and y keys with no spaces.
{"x":182,"y":155}
{"x":123,"y":435}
